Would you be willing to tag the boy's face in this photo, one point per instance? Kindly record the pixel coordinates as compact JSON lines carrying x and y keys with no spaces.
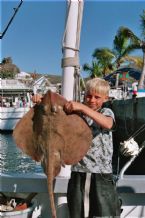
{"x":95,"y":100}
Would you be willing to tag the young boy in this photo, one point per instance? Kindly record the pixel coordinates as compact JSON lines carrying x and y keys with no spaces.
{"x":103,"y":199}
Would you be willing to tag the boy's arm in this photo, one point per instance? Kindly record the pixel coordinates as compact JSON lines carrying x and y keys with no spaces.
{"x":102,"y":120}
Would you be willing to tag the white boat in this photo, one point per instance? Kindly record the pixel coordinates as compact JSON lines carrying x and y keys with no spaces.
{"x":14,"y":102}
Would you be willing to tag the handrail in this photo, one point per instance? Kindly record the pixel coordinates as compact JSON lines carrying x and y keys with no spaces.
{"x":130,"y":162}
{"x":21,"y":183}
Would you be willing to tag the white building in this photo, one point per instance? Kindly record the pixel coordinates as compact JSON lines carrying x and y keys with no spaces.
{"x":42,"y":85}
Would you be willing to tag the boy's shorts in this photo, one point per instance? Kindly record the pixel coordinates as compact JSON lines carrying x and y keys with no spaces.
{"x":103,"y":197}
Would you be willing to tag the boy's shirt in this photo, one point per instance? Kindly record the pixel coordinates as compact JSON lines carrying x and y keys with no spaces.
{"x":99,"y":156}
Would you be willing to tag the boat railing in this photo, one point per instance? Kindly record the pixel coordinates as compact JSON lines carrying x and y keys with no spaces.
{"x":126,"y":166}
{"x":21,"y":183}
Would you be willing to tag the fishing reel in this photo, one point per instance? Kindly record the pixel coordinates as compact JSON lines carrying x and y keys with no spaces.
{"x":129,"y":148}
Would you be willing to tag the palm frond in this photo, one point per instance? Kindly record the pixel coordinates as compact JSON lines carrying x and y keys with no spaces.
{"x":103,"y":53}
{"x":86,"y":67}
{"x":134,"y":61}
{"x":128,"y":33}
{"x":94,"y":70}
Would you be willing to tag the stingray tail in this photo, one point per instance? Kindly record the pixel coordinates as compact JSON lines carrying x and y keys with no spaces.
{"x":50,"y":175}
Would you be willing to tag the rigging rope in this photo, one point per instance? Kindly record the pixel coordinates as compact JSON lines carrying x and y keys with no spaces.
{"x":77,"y":87}
{"x":141,"y":129}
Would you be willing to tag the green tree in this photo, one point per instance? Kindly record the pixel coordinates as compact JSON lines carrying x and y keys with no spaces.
{"x":102,"y":63}
{"x":94,"y":69}
{"x":104,"y":58}
{"x":134,"y":42}
{"x":125,"y":41}
{"x":8,"y":69}
{"x":120,"y":47}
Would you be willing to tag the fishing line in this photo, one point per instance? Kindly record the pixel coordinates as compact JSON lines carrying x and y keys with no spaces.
{"x":141,"y":129}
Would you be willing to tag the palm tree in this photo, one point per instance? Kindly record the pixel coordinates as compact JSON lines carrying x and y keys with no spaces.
{"x":101,"y":63}
{"x":104,"y":57}
{"x":132,"y":42}
{"x":121,"y":43}
{"x":94,"y":69}
{"x":125,"y":41}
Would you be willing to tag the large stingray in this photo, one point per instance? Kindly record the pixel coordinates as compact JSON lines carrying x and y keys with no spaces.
{"x":48,"y":134}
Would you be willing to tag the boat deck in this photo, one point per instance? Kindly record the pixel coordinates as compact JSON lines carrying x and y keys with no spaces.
{"x":131,"y":189}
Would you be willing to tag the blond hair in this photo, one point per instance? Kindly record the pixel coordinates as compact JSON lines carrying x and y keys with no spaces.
{"x":98,"y":85}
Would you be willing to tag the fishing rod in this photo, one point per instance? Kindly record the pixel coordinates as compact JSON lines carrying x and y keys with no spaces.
{"x":11,"y":19}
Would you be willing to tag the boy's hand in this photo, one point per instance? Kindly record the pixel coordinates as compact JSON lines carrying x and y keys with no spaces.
{"x":71,"y":106}
{"x":36,"y":98}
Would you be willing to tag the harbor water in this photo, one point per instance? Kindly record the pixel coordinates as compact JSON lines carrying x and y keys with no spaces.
{"x":12,"y":160}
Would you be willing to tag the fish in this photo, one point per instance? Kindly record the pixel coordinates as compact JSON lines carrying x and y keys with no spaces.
{"x":51,"y":136}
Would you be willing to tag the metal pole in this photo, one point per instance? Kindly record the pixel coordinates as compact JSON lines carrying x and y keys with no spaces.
{"x":10,"y":21}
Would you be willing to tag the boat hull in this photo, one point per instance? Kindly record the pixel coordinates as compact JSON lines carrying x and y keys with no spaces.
{"x":130,"y":118}
{"x":10,"y":116}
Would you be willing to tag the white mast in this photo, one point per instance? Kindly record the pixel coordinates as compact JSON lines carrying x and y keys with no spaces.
{"x":70,"y":62}
{"x":71,"y":43}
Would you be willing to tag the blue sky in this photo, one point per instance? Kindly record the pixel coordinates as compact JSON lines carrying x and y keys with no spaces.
{"x":34,"y":38}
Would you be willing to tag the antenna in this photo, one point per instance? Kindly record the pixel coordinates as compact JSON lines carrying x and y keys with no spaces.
{"x":11,"y":19}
